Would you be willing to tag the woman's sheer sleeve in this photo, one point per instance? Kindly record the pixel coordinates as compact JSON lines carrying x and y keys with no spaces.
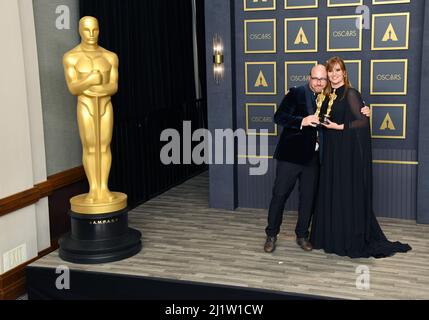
{"x":355,"y":102}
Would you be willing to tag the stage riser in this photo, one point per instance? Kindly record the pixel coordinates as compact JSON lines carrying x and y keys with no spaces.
{"x":41,"y":285}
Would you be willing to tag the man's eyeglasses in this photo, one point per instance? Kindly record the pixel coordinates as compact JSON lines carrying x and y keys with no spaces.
{"x":319,"y":79}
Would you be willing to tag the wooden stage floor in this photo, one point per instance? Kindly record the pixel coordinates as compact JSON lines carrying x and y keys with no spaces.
{"x":183,"y":239}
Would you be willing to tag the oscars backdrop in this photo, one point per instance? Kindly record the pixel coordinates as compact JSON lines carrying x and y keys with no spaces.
{"x":276,"y":44}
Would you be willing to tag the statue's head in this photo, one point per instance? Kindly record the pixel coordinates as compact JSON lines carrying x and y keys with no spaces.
{"x":88,"y":30}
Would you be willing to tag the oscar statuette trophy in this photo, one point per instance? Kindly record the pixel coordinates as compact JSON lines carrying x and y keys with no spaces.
{"x":327,"y":115}
{"x":319,"y":103}
{"x":99,"y":219}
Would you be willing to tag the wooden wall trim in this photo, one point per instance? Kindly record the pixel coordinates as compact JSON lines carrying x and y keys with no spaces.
{"x":39,"y":191}
{"x":13,"y":283}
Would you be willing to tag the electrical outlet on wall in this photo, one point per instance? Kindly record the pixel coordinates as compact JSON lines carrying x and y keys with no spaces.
{"x":14,"y":257}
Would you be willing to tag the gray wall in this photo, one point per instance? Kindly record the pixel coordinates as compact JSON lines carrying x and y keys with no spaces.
{"x":62,"y":143}
{"x":221,"y":100}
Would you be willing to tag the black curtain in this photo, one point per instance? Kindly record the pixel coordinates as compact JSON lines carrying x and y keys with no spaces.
{"x":201,"y":39}
{"x":153,"y":39}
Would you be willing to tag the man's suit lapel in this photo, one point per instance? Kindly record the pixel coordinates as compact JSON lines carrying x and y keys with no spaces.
{"x":310,"y":100}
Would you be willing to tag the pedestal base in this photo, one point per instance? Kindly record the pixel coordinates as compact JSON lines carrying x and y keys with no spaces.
{"x":80,"y":204}
{"x":96,"y":239}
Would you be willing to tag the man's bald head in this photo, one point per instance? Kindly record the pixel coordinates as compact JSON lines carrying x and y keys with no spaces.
{"x":318,"y":78}
{"x":319,"y":68}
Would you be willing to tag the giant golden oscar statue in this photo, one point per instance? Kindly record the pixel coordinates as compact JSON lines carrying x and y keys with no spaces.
{"x":99,"y":216}
{"x":92,"y":75}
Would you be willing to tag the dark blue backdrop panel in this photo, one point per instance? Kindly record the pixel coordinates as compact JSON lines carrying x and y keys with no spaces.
{"x":395,"y":166}
{"x":397,"y":162}
{"x":423,"y":172}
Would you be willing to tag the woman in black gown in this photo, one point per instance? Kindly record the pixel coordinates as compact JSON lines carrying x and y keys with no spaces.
{"x":344,"y":222}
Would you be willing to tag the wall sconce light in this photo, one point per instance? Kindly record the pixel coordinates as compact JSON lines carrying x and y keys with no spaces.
{"x":218,"y":67}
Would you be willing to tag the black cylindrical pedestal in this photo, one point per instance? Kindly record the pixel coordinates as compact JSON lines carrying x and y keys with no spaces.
{"x":98,"y":239}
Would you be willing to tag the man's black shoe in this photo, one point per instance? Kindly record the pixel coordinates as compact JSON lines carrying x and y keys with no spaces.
{"x":304,"y":244}
{"x":270,"y":244}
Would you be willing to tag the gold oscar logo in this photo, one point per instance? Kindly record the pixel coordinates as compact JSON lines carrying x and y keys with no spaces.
{"x":301,"y":37}
{"x":261,"y":81}
{"x":390,"y":34}
{"x":387,"y":124}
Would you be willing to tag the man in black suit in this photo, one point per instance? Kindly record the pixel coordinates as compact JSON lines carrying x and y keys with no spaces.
{"x":297,"y":156}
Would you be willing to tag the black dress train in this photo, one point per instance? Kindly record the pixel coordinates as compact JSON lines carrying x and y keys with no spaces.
{"x":344,"y":222}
